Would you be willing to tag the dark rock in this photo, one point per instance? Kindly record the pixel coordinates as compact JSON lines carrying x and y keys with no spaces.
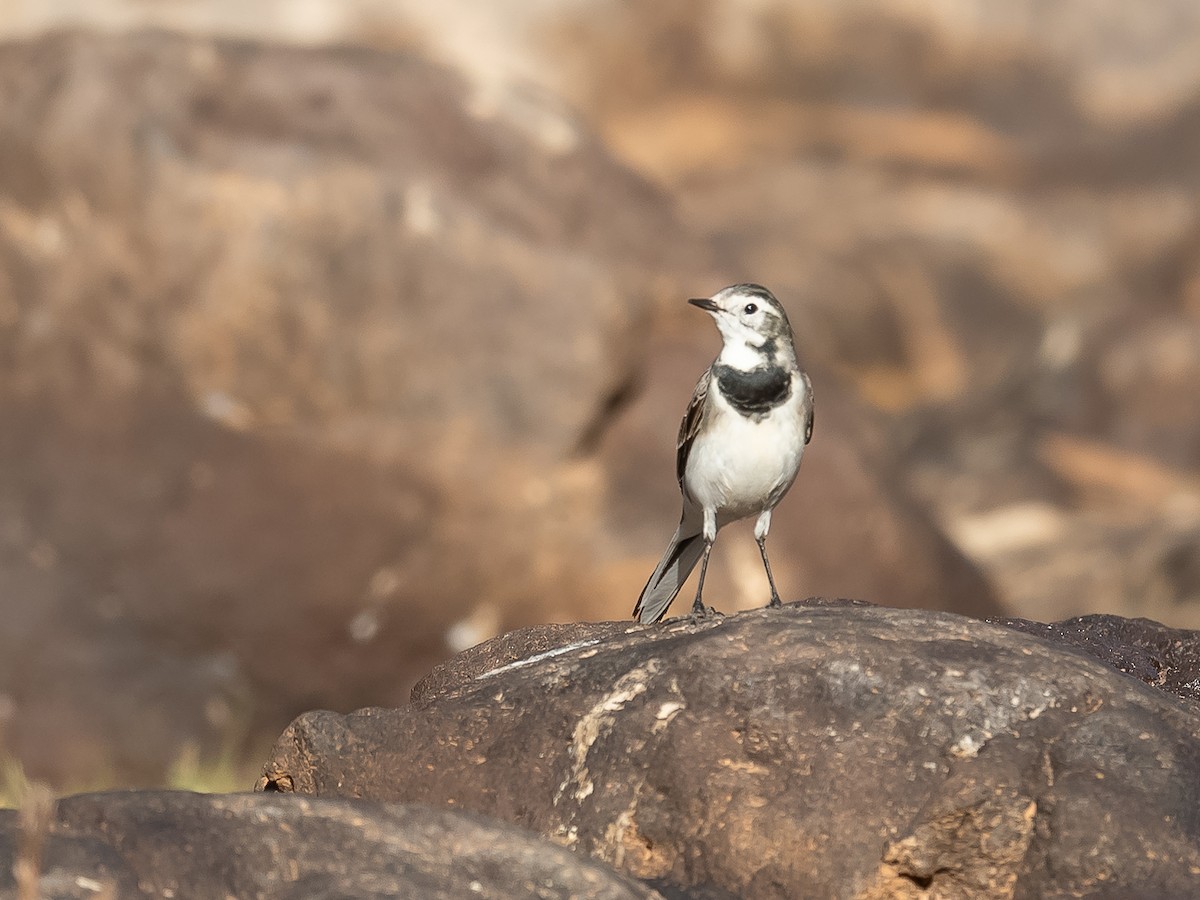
{"x":243,"y":845}
{"x":525,"y":645}
{"x":72,"y":866}
{"x":835,"y":750}
{"x":1162,"y":657}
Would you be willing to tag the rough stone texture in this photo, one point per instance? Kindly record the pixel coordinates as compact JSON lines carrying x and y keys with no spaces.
{"x":70,"y":867}
{"x":161,"y":843}
{"x":1165,"y":658}
{"x":835,"y":750}
{"x":1155,"y":654}
{"x":514,"y":646}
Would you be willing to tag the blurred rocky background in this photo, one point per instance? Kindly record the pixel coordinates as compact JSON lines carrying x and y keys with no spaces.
{"x":336,"y":337}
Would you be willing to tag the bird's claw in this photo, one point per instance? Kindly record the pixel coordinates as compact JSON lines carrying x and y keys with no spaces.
{"x":700,"y":613}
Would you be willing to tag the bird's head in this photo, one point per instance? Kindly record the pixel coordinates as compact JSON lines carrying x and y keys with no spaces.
{"x":749,"y":315}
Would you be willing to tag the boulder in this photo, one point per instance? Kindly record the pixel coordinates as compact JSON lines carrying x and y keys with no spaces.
{"x":178,"y":844}
{"x":834,"y":749}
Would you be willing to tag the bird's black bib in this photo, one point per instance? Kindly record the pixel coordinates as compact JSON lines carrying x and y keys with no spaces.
{"x":754,"y":392}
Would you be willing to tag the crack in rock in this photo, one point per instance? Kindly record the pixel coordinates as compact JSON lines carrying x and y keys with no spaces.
{"x":597,"y":720}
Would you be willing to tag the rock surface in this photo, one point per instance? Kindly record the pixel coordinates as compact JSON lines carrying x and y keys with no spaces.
{"x":829,"y":750}
{"x":164,"y":844}
{"x":1162,"y":657}
{"x":525,"y":643}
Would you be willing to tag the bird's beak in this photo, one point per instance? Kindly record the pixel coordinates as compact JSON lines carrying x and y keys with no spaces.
{"x":706,"y":304}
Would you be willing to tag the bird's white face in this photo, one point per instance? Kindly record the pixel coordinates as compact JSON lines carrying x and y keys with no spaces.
{"x":744,"y":317}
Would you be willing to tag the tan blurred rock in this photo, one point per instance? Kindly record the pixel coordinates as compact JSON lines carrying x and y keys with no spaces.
{"x":301,"y":350}
{"x":321,"y":365}
{"x":987,"y":219}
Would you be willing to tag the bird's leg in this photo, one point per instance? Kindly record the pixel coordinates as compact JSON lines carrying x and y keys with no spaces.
{"x":760,"y":534}
{"x":698,"y":609}
{"x":762,"y":548}
{"x":709,"y":533}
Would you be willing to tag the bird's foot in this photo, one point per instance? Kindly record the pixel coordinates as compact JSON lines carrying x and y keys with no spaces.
{"x":700,"y":612}
{"x":775,"y":603}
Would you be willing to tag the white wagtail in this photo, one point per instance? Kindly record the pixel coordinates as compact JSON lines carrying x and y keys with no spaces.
{"x":740,"y":442}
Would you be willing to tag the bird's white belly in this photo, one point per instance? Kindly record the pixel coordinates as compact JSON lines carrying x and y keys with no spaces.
{"x":740,"y":467}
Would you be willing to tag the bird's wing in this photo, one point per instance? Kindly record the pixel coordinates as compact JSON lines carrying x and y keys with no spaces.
{"x":690,"y":426}
{"x":807,"y":409}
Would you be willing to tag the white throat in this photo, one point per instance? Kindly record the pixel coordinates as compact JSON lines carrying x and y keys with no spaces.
{"x":737,"y":354}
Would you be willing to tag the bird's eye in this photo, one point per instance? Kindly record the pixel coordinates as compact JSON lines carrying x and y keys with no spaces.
{"x":750,"y":309}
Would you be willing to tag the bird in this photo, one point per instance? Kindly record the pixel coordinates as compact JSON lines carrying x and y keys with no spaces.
{"x":740,"y":442}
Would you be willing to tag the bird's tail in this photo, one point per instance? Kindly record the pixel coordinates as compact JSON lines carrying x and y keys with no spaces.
{"x":676,"y":565}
